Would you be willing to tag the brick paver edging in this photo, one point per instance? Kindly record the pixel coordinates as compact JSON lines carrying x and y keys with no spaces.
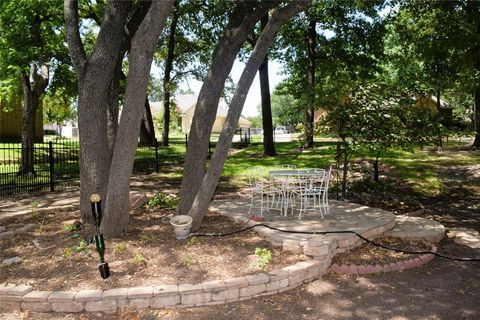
{"x":395,"y":266}
{"x":23,"y":297}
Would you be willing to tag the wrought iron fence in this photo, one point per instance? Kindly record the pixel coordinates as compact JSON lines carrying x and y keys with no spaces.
{"x":54,"y":165}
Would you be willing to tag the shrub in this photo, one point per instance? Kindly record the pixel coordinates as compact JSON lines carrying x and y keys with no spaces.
{"x":162,"y":201}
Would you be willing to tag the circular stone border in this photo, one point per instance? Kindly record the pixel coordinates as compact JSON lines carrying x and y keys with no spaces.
{"x":394,"y":266}
{"x":23,"y":297}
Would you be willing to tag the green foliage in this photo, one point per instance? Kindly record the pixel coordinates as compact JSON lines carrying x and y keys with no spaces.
{"x":119,"y":247}
{"x":175,"y":120}
{"x":57,"y":108}
{"x":34,"y":212}
{"x":33,"y":32}
{"x":67,"y":252}
{"x":69,"y":227}
{"x":194,"y":241}
{"x":432,"y":48}
{"x":162,"y":201}
{"x":378,"y":118}
{"x":81,"y":246}
{"x":138,"y":258}
{"x":264,"y":256}
{"x":146,"y":237}
{"x":286,"y":111}
{"x":187,"y":259}
{"x":256,"y":121}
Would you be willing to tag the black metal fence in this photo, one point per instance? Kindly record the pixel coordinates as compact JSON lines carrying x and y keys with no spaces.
{"x":55,"y":165}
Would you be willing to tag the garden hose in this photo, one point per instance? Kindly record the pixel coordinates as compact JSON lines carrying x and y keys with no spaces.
{"x":334,"y":232}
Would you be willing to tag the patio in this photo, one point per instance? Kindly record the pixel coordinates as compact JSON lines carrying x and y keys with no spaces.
{"x":344,"y":216}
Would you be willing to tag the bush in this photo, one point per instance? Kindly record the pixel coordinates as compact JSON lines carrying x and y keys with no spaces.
{"x":162,"y":201}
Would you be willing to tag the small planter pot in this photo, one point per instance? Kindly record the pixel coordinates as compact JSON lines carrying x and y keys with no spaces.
{"x":181,"y":226}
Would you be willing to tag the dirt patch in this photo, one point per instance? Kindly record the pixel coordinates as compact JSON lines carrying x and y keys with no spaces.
{"x":371,"y":254}
{"x":55,"y":255}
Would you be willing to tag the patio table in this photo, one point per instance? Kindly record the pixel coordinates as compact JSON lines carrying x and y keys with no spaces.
{"x":292,"y":188}
{"x":292,"y":173}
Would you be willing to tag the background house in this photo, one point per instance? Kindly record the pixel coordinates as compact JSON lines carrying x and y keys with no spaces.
{"x":445,"y":111}
{"x":67,"y":130}
{"x":11,"y":121}
{"x":185,"y":107}
{"x":426,"y":101}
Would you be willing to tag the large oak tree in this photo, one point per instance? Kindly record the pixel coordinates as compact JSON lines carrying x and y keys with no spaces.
{"x":105,"y":163}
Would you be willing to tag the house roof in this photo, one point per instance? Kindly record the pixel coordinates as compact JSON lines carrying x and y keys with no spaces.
{"x":185,"y":102}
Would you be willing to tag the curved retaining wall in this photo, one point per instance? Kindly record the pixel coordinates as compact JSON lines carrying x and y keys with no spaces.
{"x":23,"y":297}
{"x":394,"y":266}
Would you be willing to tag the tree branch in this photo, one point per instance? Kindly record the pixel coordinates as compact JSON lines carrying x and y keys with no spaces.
{"x":75,"y":45}
{"x":92,"y":15}
{"x":180,"y":74}
{"x":25,"y":82}
{"x":137,"y":18}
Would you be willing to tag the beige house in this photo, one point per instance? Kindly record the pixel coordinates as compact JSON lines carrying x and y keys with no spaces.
{"x":11,"y":121}
{"x":185,"y":106}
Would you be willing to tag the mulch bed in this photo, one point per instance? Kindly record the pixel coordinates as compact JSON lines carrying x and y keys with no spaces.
{"x":371,"y":254}
{"x":148,"y":254}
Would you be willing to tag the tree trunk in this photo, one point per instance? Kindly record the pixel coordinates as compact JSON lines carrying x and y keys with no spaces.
{"x":140,"y":58}
{"x":94,"y":76}
{"x":210,"y":180}
{"x":114,"y":105}
{"x":439,"y":120}
{"x":33,"y":86}
{"x":345,"y":169}
{"x":268,"y":145}
{"x":166,"y":77}
{"x":375,"y":170}
{"x":309,"y":112}
{"x":476,"y":142}
{"x":28,"y":133}
{"x":147,"y":130}
{"x":242,"y":20}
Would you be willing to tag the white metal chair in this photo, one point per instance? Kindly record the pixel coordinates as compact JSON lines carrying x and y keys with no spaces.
{"x":264,"y":192}
{"x":324,"y":190}
{"x":310,"y":192}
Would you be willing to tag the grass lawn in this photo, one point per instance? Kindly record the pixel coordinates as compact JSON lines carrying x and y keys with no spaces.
{"x":418,"y":167}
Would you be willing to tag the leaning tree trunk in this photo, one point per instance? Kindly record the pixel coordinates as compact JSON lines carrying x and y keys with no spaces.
{"x":140,"y":58}
{"x":147,"y":130}
{"x":33,"y":86}
{"x":241,"y":23}
{"x":309,"y":112}
{"x":211,"y":178}
{"x":166,"y":77}
{"x":268,"y":144}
